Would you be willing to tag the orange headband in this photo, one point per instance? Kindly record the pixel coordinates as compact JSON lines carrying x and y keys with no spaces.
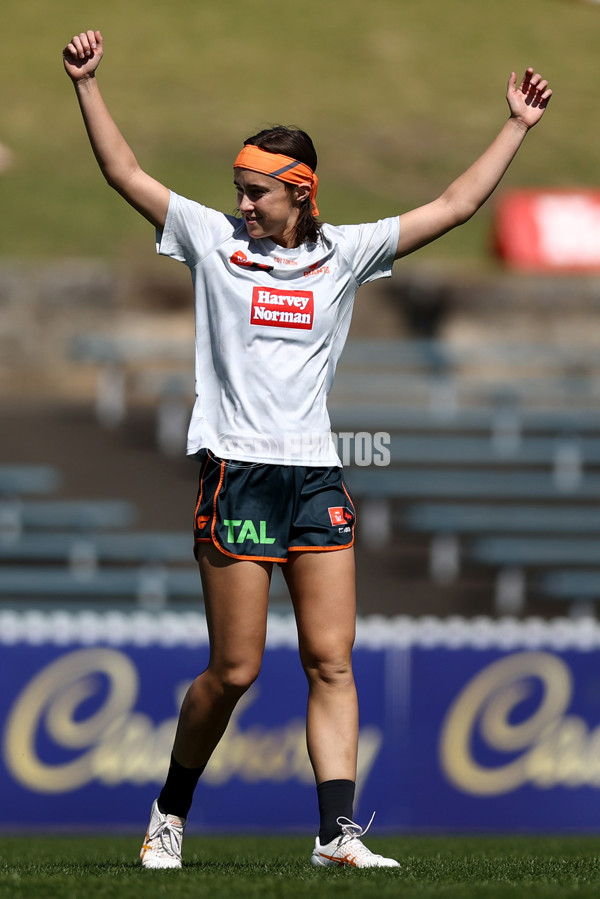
{"x":284,"y":168}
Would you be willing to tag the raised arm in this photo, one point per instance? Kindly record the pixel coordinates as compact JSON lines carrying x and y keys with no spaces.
{"x":117,"y":162}
{"x":463,"y":197}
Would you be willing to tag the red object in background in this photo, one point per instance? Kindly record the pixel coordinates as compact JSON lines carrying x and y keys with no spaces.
{"x":549,"y":230}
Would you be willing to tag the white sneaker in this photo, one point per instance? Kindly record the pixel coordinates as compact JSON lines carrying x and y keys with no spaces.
{"x":162,"y":845}
{"x":348,"y":850}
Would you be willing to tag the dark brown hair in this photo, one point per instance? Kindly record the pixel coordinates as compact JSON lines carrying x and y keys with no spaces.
{"x":295,"y":143}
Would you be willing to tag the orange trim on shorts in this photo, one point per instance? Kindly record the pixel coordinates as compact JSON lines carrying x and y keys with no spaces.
{"x":200,"y":491}
{"x":279,"y":559}
{"x":198,"y":504}
{"x":320,"y":549}
{"x":248,"y":558}
{"x":213,"y":535}
{"x":214,"y":516}
{"x":350,"y":501}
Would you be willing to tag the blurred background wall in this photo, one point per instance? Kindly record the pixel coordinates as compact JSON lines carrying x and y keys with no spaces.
{"x":466,"y":401}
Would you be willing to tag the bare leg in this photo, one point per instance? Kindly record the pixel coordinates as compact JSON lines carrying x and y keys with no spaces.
{"x":323,"y":592}
{"x":236,"y":598}
{"x":236,"y":594}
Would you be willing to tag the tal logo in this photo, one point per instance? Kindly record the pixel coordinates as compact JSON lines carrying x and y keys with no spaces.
{"x":238,"y":531}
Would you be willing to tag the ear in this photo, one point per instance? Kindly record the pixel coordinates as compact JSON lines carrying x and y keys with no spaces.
{"x":301,"y":192}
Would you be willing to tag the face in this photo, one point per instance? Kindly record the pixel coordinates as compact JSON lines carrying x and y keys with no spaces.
{"x":268,"y":208}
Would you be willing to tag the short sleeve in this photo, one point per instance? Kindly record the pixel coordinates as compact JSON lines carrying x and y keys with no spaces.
{"x":191,"y":230}
{"x":370,"y":248}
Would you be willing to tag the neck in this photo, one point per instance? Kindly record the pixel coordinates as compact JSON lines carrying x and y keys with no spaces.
{"x":288,"y":239}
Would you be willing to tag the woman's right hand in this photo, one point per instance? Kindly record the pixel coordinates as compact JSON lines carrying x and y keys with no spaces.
{"x":82,"y":55}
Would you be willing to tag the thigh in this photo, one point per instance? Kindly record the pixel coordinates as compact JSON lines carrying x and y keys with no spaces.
{"x":236,"y":594}
{"x":323,"y":591}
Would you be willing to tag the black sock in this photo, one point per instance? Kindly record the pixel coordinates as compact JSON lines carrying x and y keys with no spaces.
{"x":177,"y":794}
{"x":336,"y":800}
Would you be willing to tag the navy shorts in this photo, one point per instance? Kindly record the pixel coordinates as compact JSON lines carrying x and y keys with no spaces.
{"x":264,"y":512}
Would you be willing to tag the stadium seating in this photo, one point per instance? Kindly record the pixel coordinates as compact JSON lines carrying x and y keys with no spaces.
{"x":83,"y":552}
{"x":72,"y":535}
{"x":28,"y":479}
{"x":486,"y":443}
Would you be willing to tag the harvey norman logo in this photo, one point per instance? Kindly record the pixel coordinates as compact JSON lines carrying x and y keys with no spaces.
{"x":282,"y":308}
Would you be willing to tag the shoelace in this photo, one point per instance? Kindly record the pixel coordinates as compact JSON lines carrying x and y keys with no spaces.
{"x":350,"y":829}
{"x":168,"y":830}
{"x":351,"y":837}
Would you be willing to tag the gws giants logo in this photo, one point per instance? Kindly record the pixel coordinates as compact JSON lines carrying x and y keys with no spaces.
{"x":340,"y":515}
{"x":317,"y":269}
{"x":282,"y":308}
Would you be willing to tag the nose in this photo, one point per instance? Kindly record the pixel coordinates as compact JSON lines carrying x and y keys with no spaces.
{"x":244,"y":203}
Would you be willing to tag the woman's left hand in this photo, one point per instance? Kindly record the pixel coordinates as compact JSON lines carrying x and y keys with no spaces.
{"x":528,"y":100}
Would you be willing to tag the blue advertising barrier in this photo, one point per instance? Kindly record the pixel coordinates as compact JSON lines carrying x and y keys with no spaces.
{"x":464,"y":724}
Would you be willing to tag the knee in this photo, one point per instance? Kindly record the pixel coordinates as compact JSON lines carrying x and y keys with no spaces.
{"x":233,"y":680}
{"x":330,"y":670}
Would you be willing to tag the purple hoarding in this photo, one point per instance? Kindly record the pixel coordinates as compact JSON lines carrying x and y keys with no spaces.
{"x":464,"y":724}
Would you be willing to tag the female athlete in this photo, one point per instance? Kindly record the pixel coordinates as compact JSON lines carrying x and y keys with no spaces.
{"x":274,"y":290}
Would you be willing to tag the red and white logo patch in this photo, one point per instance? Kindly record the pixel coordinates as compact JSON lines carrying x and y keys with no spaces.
{"x":282,"y":308}
{"x":339,"y":515}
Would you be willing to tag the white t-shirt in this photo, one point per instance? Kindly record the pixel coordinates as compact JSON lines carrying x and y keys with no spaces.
{"x":271,"y":323}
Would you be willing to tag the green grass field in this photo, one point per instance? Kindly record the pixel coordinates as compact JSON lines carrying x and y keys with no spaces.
{"x":244,"y":866}
{"x":399,"y":95}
